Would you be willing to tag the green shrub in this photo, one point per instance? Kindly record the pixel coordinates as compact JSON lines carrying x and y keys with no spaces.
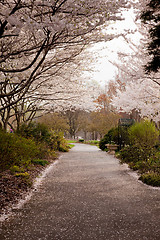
{"x":111,"y":136}
{"x":38,"y":131}
{"x":37,"y":142}
{"x":132,"y":154}
{"x":81,"y":140}
{"x":40,"y":162}
{"x":41,"y":134}
{"x":18,"y":151}
{"x":123,"y":136}
{"x":102,"y":142}
{"x":142,"y":155}
{"x":151,"y":178}
{"x":141,"y":166}
{"x":144,"y":134}
{"x":58,"y":142}
{"x":143,"y":137}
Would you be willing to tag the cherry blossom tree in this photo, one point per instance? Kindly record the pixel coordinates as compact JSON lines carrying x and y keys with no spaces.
{"x":140,"y":91}
{"x":39,"y":44}
{"x":43,"y":27}
{"x":67,"y":90}
{"x":143,"y":97}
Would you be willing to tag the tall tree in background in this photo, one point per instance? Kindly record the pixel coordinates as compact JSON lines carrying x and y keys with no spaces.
{"x":105,"y":117}
{"x":151,"y":16}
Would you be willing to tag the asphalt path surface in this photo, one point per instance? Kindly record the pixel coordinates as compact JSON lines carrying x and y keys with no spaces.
{"x":87,"y":195}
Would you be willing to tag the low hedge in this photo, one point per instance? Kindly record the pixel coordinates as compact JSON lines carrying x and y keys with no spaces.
{"x":19,"y":151}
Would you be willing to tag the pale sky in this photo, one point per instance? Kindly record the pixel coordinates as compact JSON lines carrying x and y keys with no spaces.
{"x":104,"y":70}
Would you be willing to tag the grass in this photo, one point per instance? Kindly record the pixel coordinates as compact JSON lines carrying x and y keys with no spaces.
{"x":71,"y":141}
{"x":93,"y":142}
{"x":71,"y":145}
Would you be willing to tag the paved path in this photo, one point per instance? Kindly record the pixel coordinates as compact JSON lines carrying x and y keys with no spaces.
{"x":88,"y":195}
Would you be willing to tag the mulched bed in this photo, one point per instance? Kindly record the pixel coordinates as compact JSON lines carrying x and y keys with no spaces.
{"x":12,"y":188}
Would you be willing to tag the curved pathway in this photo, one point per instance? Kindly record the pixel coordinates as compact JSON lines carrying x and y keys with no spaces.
{"x":88,"y":195}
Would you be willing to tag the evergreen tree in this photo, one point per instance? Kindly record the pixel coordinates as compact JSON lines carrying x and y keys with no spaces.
{"x":152,"y":16}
